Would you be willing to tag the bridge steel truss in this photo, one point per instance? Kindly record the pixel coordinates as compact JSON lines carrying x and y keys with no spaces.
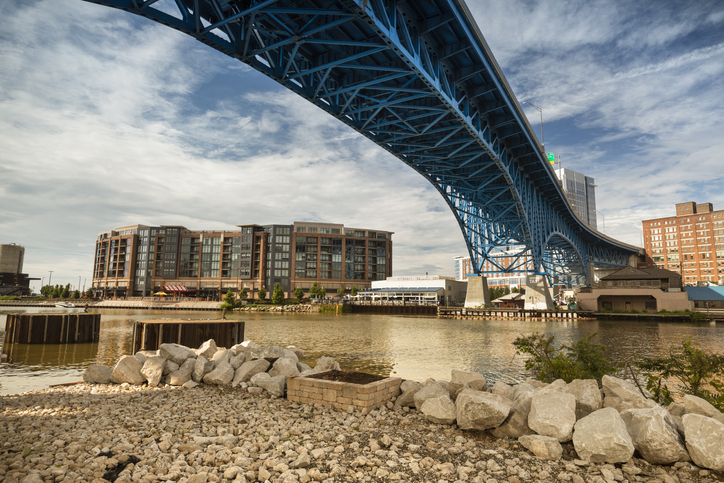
{"x":417,"y":78}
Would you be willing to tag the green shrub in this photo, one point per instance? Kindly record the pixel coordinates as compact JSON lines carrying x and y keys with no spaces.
{"x":582,"y":360}
{"x":690,"y":369}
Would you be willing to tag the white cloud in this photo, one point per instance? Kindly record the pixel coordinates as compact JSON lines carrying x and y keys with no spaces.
{"x":107,"y":119}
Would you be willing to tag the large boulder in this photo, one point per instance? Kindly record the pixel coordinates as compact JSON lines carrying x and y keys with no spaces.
{"x":502,"y":389}
{"x":290,"y":354}
{"x":176,"y":353}
{"x":153,"y":370}
{"x":520,"y":389}
{"x":275,"y":386}
{"x":97,"y":374}
{"x":408,"y":390}
{"x":284,"y":367}
{"x":248,"y":369}
{"x":201,"y":368}
{"x":602,"y":437}
{"x":481,"y":410}
{"x":221,"y":355}
{"x":272,"y":352}
{"x":237,"y":360}
{"x":613,"y":386}
{"x":183,"y":374}
{"x":514,"y":426}
{"x":697,"y":405}
{"x":553,"y":414}
{"x":587,"y":394}
{"x":324,"y":364}
{"x":299,"y":352}
{"x":473,"y":380}
{"x":221,"y":375}
{"x":169,"y":367}
{"x":207,"y":349}
{"x":427,"y":392}
{"x":704,"y":437}
{"x":542,"y":446}
{"x":654,"y":435}
{"x":439,"y":410}
{"x":128,"y":369}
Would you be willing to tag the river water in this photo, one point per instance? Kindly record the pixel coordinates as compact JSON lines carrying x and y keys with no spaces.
{"x":406,"y":346}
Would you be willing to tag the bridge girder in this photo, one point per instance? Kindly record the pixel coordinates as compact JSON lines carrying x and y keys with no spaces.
{"x":418,"y":79}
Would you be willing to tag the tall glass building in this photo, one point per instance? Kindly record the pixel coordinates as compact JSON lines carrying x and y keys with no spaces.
{"x":581,"y":192}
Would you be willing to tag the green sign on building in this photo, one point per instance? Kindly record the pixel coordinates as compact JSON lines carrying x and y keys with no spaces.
{"x":551,"y":158}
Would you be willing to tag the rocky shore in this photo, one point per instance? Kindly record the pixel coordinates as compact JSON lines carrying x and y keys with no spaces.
{"x":214,"y":414}
{"x":128,"y":433}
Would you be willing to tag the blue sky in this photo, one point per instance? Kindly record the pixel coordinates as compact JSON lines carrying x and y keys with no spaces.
{"x":108,"y":119}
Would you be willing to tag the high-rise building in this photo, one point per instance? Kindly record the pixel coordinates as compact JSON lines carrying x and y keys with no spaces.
{"x":138,"y":260}
{"x":691,"y":242}
{"x":581,"y":193}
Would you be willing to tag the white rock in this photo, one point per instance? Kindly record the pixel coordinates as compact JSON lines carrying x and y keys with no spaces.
{"x":153,"y":370}
{"x":553,"y":414}
{"x":207,"y":349}
{"x":141,"y":357}
{"x":128,"y":369}
{"x":704,"y":440}
{"x":481,"y":410}
{"x":299,"y":352}
{"x":542,"y":446}
{"x":176,"y":353}
{"x":169,"y":367}
{"x":237,"y":360}
{"x":407,"y":398}
{"x":97,"y":374}
{"x":439,"y":410}
{"x":427,"y":392}
{"x":202,"y":366}
{"x":601,"y":437}
{"x":248,"y":369}
{"x":284,"y":367}
{"x":473,"y":380}
{"x":654,"y":435}
{"x":221,"y":376}
{"x":613,"y":386}
{"x":256,"y":378}
{"x":221,"y":355}
{"x":276,"y":386}
{"x":697,"y":405}
{"x":514,"y":426}
{"x":587,"y":394}
{"x":290,"y":354}
{"x":272,"y":352}
{"x":190,"y":384}
{"x":520,"y":389}
{"x":183,"y":374}
{"x":324,"y":364}
{"x":502,"y":389}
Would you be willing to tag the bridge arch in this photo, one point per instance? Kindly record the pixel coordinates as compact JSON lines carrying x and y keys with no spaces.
{"x":563,"y":261}
{"x":419,"y":80}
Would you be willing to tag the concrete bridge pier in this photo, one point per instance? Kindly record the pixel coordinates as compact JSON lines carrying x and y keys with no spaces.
{"x":537,"y":293}
{"x":477,"y":294}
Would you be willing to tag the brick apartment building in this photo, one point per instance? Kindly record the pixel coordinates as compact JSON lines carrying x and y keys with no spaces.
{"x":138,"y":260}
{"x":690,"y":243}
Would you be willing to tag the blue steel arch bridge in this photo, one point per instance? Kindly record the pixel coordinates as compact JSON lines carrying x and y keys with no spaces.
{"x":418,"y":79}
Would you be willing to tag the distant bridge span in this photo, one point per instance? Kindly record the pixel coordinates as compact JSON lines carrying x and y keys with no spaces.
{"x":418,"y":79}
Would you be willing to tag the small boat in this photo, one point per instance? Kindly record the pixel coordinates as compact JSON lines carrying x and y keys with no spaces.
{"x":66,"y":305}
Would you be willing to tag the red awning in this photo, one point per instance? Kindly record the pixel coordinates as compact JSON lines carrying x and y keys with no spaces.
{"x":175,"y":288}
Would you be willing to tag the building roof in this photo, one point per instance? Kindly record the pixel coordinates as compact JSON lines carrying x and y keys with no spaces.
{"x":509,"y":297}
{"x":705,"y":294}
{"x":630,"y":273}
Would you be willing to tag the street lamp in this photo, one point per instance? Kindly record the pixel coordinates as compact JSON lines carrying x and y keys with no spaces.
{"x":540,"y":110}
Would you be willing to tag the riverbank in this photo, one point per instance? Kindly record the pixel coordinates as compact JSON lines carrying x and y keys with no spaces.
{"x":215,"y":434}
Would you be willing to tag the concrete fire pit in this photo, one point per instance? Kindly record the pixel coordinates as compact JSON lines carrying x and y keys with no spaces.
{"x":313,"y":389}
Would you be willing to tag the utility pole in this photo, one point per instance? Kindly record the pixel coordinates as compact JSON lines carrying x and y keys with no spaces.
{"x":50,"y":277}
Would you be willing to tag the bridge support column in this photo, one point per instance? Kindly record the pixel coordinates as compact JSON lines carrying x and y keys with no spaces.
{"x":537,"y":293}
{"x":477,"y":294}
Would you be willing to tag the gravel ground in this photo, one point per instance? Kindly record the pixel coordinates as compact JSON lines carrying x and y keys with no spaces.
{"x":208,"y":434}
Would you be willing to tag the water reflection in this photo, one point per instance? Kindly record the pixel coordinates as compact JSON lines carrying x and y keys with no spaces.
{"x":409,"y":347}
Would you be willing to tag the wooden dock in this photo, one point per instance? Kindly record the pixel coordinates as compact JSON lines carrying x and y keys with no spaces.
{"x":52,"y":328}
{"x":150,"y":334}
{"x":519,"y":314}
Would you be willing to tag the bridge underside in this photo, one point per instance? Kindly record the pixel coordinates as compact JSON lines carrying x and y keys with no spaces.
{"x":417,"y":78}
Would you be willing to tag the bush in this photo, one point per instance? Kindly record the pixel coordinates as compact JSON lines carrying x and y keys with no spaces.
{"x":582,"y":360}
{"x":692,"y":370}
